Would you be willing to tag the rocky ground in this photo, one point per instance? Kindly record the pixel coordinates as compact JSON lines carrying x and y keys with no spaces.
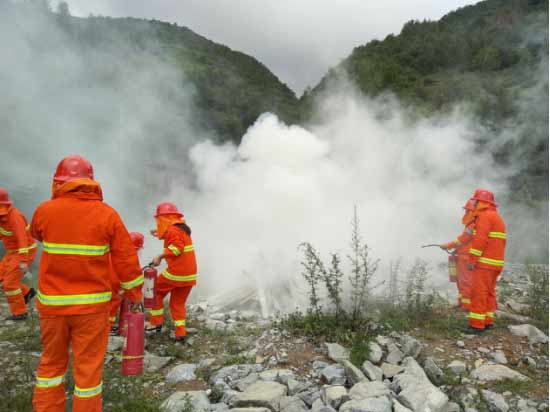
{"x":236,"y":361}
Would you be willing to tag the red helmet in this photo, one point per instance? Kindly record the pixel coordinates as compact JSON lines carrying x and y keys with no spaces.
{"x":4,"y":197}
{"x":137,"y":239}
{"x":484,"y":195}
{"x":73,"y":167}
{"x":168,"y":208}
{"x":470,"y":204}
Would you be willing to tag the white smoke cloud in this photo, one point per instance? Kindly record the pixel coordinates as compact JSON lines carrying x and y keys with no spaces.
{"x":254,"y":204}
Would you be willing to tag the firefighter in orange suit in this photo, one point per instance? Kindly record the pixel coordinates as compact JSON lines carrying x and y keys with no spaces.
{"x":181,"y":274}
{"x":82,"y":239}
{"x":486,"y":259}
{"x":20,"y":253}
{"x":462,"y":246}
{"x":117,"y":296}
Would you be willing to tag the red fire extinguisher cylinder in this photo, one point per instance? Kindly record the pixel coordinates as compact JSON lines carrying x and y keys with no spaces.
{"x":134,"y":341}
{"x":149,"y":287}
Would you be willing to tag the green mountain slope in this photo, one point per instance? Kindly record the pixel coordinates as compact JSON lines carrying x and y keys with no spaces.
{"x":230,"y":89}
{"x":491,"y":57}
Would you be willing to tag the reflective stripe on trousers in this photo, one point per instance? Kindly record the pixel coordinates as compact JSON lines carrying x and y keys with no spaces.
{"x":88,"y":392}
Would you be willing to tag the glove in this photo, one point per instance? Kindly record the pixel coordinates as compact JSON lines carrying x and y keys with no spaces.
{"x":446,"y":246}
{"x":23,"y":267}
{"x":157,"y":260}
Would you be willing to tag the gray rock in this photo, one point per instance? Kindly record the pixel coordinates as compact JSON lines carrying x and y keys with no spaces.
{"x":221,"y":407}
{"x":457,"y":367}
{"x":531,"y":332}
{"x":152,"y":363}
{"x":375,"y":353}
{"x":182,"y":373}
{"x":390,"y":370}
{"x":277,"y":375}
{"x":496,"y":373}
{"x":373,"y":372}
{"x":483,"y":350}
{"x":206,"y":363}
{"x":395,"y":357}
{"x":523,"y":406}
{"x":416,"y":391}
{"x":364,"y":390}
{"x":242,"y":384}
{"x":115,"y":343}
{"x":543,"y":407}
{"x":295,"y":387}
{"x":318,"y":366}
{"x":319,"y":406}
{"x":498,"y":356}
{"x":234,"y":373}
{"x":495,"y":401}
{"x":250,"y":410}
{"x":334,"y":374}
{"x":452,"y":407}
{"x":337,"y":352}
{"x":219,"y":316}
{"x":460,"y":343}
{"x":180,"y":401}
{"x":310,"y":396}
{"x":260,"y":394}
{"x":215,"y":325}
{"x":397,"y":407}
{"x":382,"y":404}
{"x":433,"y":371}
{"x":291,"y":404}
{"x":411,"y":346}
{"x":382,"y":340}
{"x":530,"y":362}
{"x":353,"y":373}
{"x":517,"y":307}
{"x":334,"y":395}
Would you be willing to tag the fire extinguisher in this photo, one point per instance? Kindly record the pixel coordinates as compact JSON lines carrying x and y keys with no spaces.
{"x":149,"y":286}
{"x":124,"y":309}
{"x":453,"y":263}
{"x":134,"y":340}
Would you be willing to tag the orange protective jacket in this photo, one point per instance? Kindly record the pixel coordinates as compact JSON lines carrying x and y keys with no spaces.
{"x":15,"y":234}
{"x":489,"y":241}
{"x":82,"y":237}
{"x":179,"y":253}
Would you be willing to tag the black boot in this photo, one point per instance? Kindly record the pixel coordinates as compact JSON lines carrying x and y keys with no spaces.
{"x":153,"y":330}
{"x":473,"y":331}
{"x":18,"y":318}
{"x":114,"y":330}
{"x":30,"y":294}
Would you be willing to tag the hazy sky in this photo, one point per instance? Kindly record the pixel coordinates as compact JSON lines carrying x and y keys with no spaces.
{"x":298,"y":40}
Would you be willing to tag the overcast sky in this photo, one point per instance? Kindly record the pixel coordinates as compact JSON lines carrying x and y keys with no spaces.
{"x":298,"y":40}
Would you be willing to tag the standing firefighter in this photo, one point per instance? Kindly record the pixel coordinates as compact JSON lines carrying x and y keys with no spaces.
{"x":20,"y":252}
{"x":462,"y":246}
{"x":486,"y":259}
{"x":181,"y":274}
{"x":117,"y":292}
{"x":82,"y":239}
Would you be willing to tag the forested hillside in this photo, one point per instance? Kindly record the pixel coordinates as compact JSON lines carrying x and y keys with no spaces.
{"x":230,"y":89}
{"x":492,"y":58}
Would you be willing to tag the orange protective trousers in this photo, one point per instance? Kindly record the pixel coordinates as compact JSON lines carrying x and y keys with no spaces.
{"x":483,"y":295}
{"x":87,"y":335}
{"x":178,"y":298}
{"x":13,"y":286}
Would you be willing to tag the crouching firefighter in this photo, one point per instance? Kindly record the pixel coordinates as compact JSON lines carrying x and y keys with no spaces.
{"x":486,"y":260}
{"x":181,"y":274}
{"x":20,"y":253}
{"x":462,"y":246}
{"x":82,"y":239}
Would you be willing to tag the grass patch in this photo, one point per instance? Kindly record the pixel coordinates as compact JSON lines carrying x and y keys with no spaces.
{"x":515,"y":386}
